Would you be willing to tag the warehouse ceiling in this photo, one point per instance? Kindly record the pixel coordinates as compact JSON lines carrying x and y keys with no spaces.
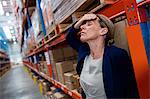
{"x":7,"y":19}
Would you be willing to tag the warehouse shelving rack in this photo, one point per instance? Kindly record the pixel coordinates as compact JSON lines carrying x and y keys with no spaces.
{"x":72,"y":93}
{"x":132,"y":10}
{"x":4,"y":63}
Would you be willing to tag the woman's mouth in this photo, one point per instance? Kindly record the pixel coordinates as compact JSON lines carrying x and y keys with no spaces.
{"x":82,"y":33}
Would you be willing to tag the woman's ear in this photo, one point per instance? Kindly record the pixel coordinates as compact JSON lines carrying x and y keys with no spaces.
{"x":103,"y":31}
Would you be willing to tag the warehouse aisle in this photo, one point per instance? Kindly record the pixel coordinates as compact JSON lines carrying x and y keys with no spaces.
{"x":17,"y":84}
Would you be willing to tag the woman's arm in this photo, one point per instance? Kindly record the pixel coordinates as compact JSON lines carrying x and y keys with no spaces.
{"x":72,"y":39}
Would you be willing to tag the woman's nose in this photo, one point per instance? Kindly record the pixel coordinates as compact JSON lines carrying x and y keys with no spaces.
{"x":82,"y":27}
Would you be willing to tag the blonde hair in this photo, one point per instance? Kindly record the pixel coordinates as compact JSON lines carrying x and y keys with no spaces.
{"x":106,"y":22}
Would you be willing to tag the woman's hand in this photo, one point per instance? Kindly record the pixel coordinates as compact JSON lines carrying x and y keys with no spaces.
{"x":84,"y":18}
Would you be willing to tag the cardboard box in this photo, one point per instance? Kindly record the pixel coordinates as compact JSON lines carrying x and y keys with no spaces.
{"x":45,"y":16}
{"x":63,"y":67}
{"x":56,"y":55}
{"x":43,"y":67}
{"x":61,"y":96}
{"x":70,"y":85}
{"x":53,"y":89}
{"x":35,"y":24}
{"x":108,"y":1}
{"x":69,"y":76}
{"x":50,"y":15}
{"x":74,"y":66}
{"x":66,"y":9}
{"x":55,"y":4}
{"x":77,"y":15}
{"x":53,"y":64}
{"x":69,"y":53}
{"x":77,"y":82}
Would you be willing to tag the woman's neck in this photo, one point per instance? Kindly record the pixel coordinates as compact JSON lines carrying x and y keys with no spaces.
{"x":96,"y":47}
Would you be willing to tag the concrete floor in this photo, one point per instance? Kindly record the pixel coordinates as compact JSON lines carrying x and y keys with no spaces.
{"x":17,"y":84}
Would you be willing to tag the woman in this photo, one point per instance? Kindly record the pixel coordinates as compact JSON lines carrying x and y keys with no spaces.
{"x":105,"y":70}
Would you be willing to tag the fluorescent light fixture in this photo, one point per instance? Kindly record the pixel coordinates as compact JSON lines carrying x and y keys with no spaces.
{"x":7,"y":14}
{"x":11,"y":27}
{"x":14,"y":39}
{"x":9,"y":22}
{"x":4,"y":42}
{"x":1,"y":38}
{"x":7,"y":32}
{"x":11,"y":2}
{"x":1,"y":9}
{"x":11,"y":31}
{"x":4,"y":3}
{"x":15,"y":42}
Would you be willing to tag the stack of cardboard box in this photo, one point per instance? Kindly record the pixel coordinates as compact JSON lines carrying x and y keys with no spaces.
{"x":61,"y":55}
{"x":36,"y":24}
{"x":69,"y":53}
{"x":63,"y":67}
{"x":66,"y":8}
{"x":56,"y":55}
{"x":43,"y":67}
{"x":71,"y":80}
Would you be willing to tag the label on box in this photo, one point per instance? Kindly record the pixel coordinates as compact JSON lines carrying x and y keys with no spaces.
{"x":30,"y":59}
{"x":35,"y":61}
{"x":47,"y":57}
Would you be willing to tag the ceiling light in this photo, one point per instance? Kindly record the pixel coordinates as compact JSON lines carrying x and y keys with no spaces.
{"x":9,"y":22}
{"x":1,"y":9}
{"x":1,"y":38}
{"x":4,"y":3}
{"x":15,"y":42}
{"x":7,"y":13}
{"x":11,"y":27}
{"x":7,"y":32}
{"x":14,"y":39}
{"x":4,"y":42}
{"x":11,"y":31}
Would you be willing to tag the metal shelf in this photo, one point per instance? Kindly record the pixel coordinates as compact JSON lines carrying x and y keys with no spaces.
{"x":72,"y":93}
{"x":133,"y":32}
{"x":4,"y":62}
{"x":3,"y":55}
{"x":108,"y":11}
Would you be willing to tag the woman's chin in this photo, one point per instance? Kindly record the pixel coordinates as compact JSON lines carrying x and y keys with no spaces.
{"x":83,"y":40}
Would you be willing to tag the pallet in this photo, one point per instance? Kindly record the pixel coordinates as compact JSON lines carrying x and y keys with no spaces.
{"x":52,"y":33}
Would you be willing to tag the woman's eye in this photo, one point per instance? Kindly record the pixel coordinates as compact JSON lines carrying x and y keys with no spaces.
{"x":89,"y":24}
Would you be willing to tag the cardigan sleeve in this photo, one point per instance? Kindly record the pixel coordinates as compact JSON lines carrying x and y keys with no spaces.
{"x":128,"y":76}
{"x":72,"y":39}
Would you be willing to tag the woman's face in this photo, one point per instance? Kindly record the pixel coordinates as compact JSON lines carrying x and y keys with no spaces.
{"x":89,"y":30}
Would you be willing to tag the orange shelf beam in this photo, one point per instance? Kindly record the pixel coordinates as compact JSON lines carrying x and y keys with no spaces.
{"x":139,"y":59}
{"x":136,"y":46}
